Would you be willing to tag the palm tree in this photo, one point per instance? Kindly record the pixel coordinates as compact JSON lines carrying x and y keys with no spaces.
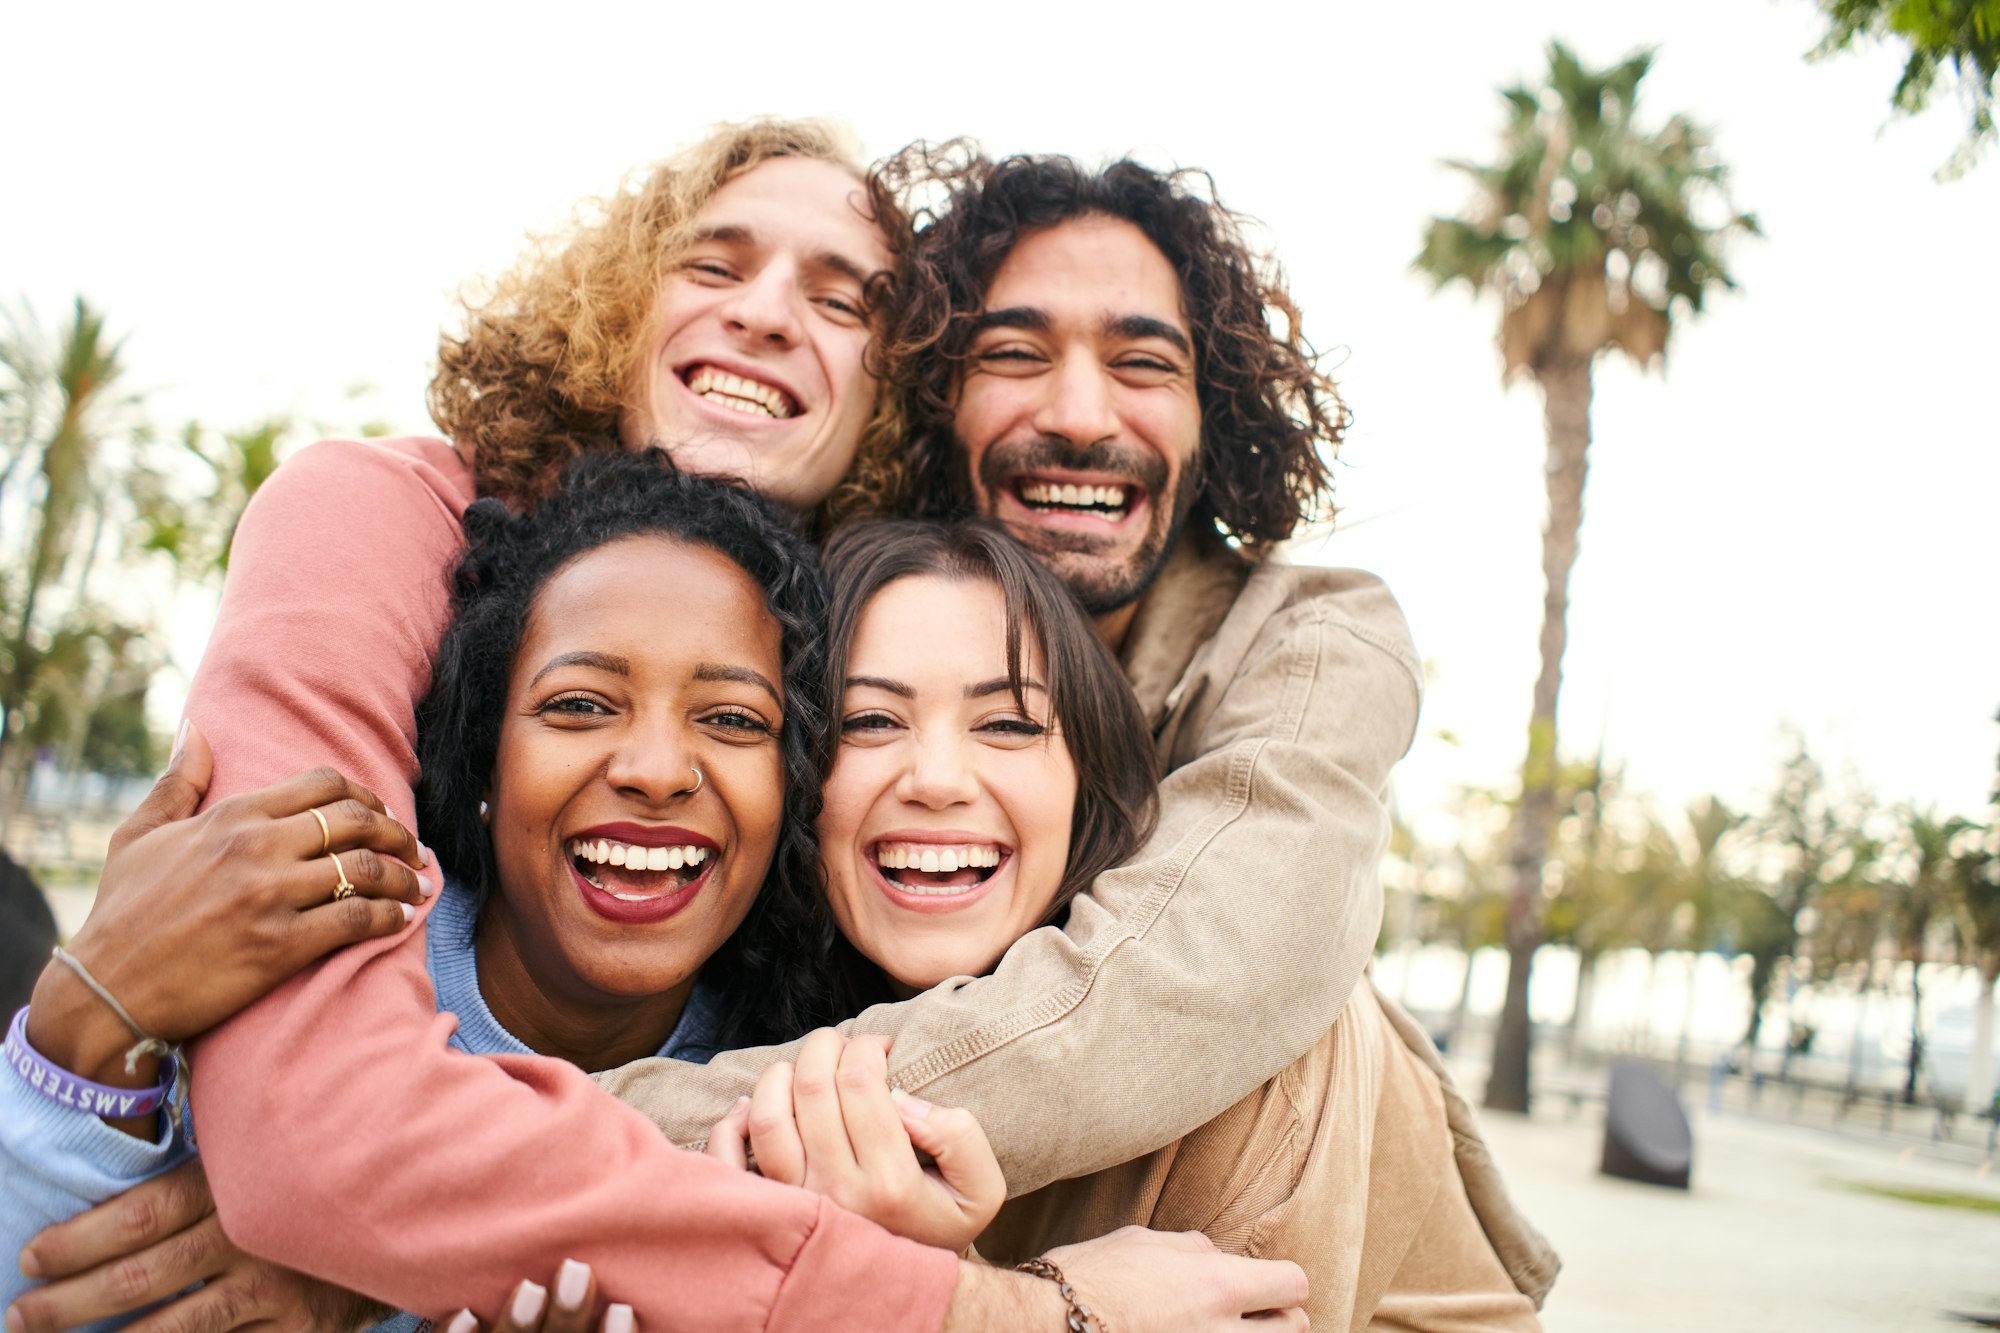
{"x":1588,"y":230}
{"x":1978,"y":893}
{"x":1918,"y":903}
{"x":74,"y":389}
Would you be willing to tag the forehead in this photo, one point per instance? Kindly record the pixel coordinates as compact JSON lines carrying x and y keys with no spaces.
{"x":658,"y":600}
{"x":800,"y":203}
{"x":961,"y":623}
{"x":1088,"y":270}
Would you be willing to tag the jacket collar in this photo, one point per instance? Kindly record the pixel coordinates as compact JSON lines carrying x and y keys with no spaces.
{"x":1176,"y":620}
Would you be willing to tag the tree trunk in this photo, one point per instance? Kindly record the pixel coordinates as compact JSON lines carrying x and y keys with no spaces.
{"x":1916,"y":1032}
{"x":1579,"y":1011}
{"x":1565,"y":382}
{"x":1979,"y":1074}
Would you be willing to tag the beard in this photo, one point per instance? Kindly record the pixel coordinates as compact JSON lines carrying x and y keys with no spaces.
{"x":1092,"y":566}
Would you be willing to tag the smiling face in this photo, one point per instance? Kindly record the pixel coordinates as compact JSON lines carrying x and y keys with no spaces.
{"x":619,"y":873}
{"x":946,"y":826}
{"x":756,"y":365}
{"x":1078,"y":411}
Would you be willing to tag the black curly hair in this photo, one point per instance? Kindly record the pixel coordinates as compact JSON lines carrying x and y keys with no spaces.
{"x":768,"y":971}
{"x":1270,"y":418}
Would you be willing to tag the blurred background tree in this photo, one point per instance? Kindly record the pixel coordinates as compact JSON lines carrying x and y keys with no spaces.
{"x":1957,"y":41}
{"x":1596,"y":236}
{"x":90,"y":499}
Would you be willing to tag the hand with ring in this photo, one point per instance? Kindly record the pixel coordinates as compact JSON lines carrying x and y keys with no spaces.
{"x":198,"y":915}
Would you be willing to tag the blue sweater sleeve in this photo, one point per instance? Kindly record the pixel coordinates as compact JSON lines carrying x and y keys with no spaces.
{"x":57,"y":1161}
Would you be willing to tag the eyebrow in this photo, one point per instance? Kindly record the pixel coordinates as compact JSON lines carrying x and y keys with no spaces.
{"x":981,"y":690}
{"x":617,"y":666}
{"x":742,"y":675}
{"x":1001,"y":685}
{"x":732,"y":233}
{"x":1034,"y":320}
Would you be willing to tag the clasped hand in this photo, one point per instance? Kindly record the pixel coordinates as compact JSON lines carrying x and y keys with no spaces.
{"x":832,"y":1124}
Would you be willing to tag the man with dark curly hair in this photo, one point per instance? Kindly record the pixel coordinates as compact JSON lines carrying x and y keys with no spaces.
{"x":1099,"y":360}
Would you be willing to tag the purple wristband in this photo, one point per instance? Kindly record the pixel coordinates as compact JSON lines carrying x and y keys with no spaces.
{"x":59,"y":1085}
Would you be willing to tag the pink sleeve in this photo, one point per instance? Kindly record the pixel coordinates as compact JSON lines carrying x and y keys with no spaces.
{"x":343,"y":1137}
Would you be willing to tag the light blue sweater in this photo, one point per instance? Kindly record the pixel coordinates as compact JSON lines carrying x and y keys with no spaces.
{"x":56,"y":1161}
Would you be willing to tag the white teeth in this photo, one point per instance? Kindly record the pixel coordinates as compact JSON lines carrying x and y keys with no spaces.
{"x":602,"y":851}
{"x":742,"y":394}
{"x":1111,"y":498}
{"x":932,"y":859}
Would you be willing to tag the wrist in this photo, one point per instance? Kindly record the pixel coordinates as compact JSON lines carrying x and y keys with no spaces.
{"x":993,"y":1300}
{"x":74,"y":1029}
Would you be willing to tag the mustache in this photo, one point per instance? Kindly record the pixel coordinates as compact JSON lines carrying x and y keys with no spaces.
{"x":1053,"y":453}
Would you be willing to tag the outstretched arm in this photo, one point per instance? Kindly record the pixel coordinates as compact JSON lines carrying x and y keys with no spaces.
{"x":1189,"y":977}
{"x":342,"y":1136}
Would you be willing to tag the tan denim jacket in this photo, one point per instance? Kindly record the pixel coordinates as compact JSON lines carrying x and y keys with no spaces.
{"x":1280,"y":698}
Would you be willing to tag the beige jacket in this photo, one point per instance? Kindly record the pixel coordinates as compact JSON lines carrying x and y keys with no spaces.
{"x":1280,"y":697}
{"x":1343,"y":1163}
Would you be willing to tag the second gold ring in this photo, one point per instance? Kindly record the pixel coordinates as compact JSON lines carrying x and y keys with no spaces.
{"x":344,"y":889}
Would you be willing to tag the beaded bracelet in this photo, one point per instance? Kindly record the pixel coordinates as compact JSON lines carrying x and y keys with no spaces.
{"x":59,"y":1085}
{"x":1077,"y":1318}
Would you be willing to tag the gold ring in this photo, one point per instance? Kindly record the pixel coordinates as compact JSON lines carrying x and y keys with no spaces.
{"x":344,"y":889}
{"x":325,"y":835}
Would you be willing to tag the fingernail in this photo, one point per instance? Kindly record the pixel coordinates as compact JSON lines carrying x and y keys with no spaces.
{"x":425,"y":854}
{"x":528,"y":1303}
{"x":462,"y":1322}
{"x":409,"y":913}
{"x":16,"y":1324}
{"x":180,"y":743}
{"x":572,"y":1279}
{"x":618,"y":1319}
{"x":916,"y":1108}
{"x":31,"y":1266}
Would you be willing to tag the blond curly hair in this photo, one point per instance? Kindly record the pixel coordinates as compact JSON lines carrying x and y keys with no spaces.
{"x":549,"y":355}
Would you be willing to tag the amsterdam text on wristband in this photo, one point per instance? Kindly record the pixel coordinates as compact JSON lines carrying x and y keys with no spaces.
{"x":59,"y":1085}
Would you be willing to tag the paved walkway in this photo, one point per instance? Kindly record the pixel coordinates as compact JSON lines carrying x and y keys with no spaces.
{"x":1772,"y":1236}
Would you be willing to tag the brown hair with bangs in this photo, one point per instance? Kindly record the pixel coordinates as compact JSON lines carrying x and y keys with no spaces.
{"x":550,"y":352}
{"x":1117,"y":790}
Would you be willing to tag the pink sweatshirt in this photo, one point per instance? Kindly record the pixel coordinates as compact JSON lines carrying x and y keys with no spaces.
{"x":343,"y":1137}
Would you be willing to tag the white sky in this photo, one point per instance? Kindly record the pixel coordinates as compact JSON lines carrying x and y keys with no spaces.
{"x":1795,"y":524}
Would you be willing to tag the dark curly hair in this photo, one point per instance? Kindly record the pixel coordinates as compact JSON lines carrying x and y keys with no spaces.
{"x":767,"y":971}
{"x":1099,"y":718}
{"x":1270,"y":419}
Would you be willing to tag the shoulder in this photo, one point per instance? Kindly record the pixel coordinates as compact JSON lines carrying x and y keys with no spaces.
{"x":1282,"y":597}
{"x":1283,"y":603}
{"x":409,"y":471}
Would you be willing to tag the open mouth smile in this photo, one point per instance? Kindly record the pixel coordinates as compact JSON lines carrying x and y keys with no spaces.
{"x":936,"y":876}
{"x":631,"y":873}
{"x":738,"y":393}
{"x":639,"y":883}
